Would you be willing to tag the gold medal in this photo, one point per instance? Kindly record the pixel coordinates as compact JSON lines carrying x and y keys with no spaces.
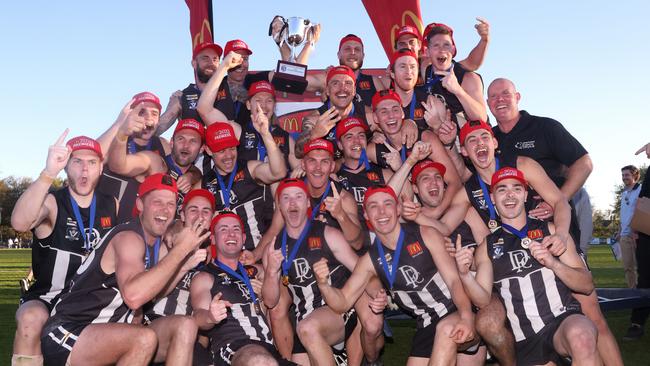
{"x":285,"y":280}
{"x":492,"y":224}
{"x":525,"y":242}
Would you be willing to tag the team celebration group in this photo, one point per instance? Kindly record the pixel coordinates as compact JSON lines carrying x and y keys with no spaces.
{"x":238,"y":243}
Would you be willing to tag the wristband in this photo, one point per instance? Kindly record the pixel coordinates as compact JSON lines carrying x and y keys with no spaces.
{"x":44,"y":176}
{"x":121,"y":138}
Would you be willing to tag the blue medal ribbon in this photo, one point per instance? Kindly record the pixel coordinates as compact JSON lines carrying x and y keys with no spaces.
{"x":80,"y":221}
{"x":242,"y":276}
{"x":486,"y":193}
{"x":432,"y":78}
{"x":521,"y":234}
{"x":237,"y":108}
{"x":156,"y":250}
{"x":391,"y":272}
{"x":132,"y":147}
{"x":225,"y":191}
{"x":261,"y":148}
{"x":288,"y":260}
{"x":363,"y":161}
{"x":171,"y":164}
{"x":412,"y":107}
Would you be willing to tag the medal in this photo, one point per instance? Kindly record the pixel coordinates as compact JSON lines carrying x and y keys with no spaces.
{"x":521,"y":234}
{"x":285,"y":280}
{"x":525,"y":242}
{"x":492,"y":224}
{"x":87,"y":247}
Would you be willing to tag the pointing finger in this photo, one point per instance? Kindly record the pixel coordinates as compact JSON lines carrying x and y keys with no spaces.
{"x":335,"y":192}
{"x":217,"y":297}
{"x":481,"y":20}
{"x":59,"y":141}
{"x":458,"y":243}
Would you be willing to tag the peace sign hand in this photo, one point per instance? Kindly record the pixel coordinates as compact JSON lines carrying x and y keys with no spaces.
{"x":334,"y":205}
{"x":57,"y":155}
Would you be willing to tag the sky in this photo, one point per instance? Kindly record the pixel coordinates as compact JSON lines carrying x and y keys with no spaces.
{"x":76,"y":63}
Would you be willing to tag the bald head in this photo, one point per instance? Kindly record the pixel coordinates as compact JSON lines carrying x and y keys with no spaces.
{"x":503,"y":100}
{"x":253,"y":355}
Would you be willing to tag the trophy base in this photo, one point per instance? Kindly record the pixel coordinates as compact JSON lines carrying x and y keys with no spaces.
{"x":290,"y":77}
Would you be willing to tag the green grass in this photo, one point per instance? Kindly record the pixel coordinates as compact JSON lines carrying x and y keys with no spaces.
{"x":14,"y":264}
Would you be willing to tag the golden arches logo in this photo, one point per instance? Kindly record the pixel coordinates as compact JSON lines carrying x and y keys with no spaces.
{"x":414,"y":18}
{"x":291,"y":124}
{"x":199,"y":37}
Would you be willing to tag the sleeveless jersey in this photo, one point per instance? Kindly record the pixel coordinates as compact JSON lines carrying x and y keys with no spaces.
{"x":190,"y":100}
{"x":418,"y":288}
{"x":124,"y":188}
{"x":251,"y":201}
{"x":531,"y":293}
{"x":94,"y":296}
{"x":357,"y":184}
{"x":358,"y":111}
{"x":250,"y":139}
{"x":302,"y":281}
{"x":242,"y":323}
{"x":174,"y":171}
{"x":55,"y":258}
{"x":417,"y":114}
{"x":381,"y":150}
{"x":365,"y":89}
{"x":176,"y":302}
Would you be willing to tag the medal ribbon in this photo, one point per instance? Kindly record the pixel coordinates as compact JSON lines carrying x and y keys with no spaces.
{"x":171,"y":164}
{"x":391,"y":272}
{"x":486,"y":193}
{"x":80,"y":221}
{"x":147,"y":259}
{"x":521,"y":234}
{"x":301,"y":238}
{"x":242,"y":276}
{"x":363,"y":161}
{"x":132,"y":147}
{"x":225,"y":191}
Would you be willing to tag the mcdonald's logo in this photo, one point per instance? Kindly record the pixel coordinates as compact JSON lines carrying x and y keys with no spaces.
{"x":364,"y":85}
{"x":200,"y":36}
{"x":418,"y":113}
{"x":535,"y":234}
{"x":221,"y":94}
{"x":372,"y":176}
{"x":414,"y":249}
{"x":279,"y":140}
{"x":416,"y":22}
{"x":290,"y":124}
{"x":315,"y":243}
{"x":239,"y":176}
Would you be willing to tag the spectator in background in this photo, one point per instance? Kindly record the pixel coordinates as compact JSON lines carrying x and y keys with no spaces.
{"x":626,"y":236}
{"x":640,"y":315}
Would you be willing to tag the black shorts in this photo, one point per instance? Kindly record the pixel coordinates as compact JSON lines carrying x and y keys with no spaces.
{"x":32,"y":295}
{"x":57,"y":341}
{"x":349,"y":321}
{"x":222,"y":355}
{"x":539,"y":349}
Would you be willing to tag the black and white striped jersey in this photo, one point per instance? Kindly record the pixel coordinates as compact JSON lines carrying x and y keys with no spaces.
{"x":55,"y":259}
{"x":531,"y":293}
{"x":176,"y":302}
{"x":251,"y":201}
{"x":242,"y":323}
{"x":418,"y":288}
{"x":94,"y":296}
{"x":302,"y":281}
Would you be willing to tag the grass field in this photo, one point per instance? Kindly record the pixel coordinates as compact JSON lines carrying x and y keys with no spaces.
{"x":14,"y":264}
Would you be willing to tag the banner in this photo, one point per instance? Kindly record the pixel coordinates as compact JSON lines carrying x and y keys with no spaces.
{"x":388,"y":16}
{"x":200,"y":21}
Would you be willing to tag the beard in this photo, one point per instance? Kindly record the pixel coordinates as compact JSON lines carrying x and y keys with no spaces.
{"x":202,"y":76}
{"x":359,"y":63}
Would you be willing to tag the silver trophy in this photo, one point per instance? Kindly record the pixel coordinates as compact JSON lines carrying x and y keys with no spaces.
{"x":290,"y":76}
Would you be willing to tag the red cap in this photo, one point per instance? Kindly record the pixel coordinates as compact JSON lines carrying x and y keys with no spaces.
{"x":507,"y":173}
{"x":472,"y":126}
{"x":318,"y":144}
{"x":146,"y":97}
{"x":85,"y":143}
{"x":407,"y":29}
{"x":220,"y":136}
{"x":223,"y":215}
{"x":157,"y":181}
{"x":382,"y":95}
{"x":205,"y":45}
{"x":190,"y":124}
{"x":378,"y":189}
{"x":350,"y":37}
{"x":431,"y":26}
{"x":200,"y":192}
{"x":401,"y":53}
{"x":237,"y":45}
{"x":347,"y":124}
{"x":291,"y":182}
{"x":426,"y":164}
{"x":340,"y":70}
{"x":261,"y":86}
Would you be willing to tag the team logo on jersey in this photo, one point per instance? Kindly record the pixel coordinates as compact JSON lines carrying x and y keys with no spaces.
{"x":302,"y":269}
{"x":364,"y":85}
{"x":187,"y":280}
{"x":251,"y":271}
{"x":418,"y":113}
{"x":498,"y":249}
{"x":233,"y":196}
{"x":250,"y":141}
{"x":414,"y":249}
{"x":105,"y":222}
{"x":359,"y":193}
{"x":239,"y":176}
{"x":523,"y":145}
{"x":221,"y":94}
{"x":373,"y":176}
{"x":411,"y":275}
{"x":243,"y":289}
{"x":192,"y":104}
{"x":72,"y":233}
{"x":225,"y":279}
{"x":279,"y":140}
{"x":535,"y":234}
{"x":478,"y":197}
{"x":315,"y":243}
{"x":519,"y":260}
{"x":387,"y":257}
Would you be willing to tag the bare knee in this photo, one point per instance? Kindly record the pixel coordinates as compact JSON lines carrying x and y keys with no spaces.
{"x":308,"y":330}
{"x":582,"y":339}
{"x":278,"y":313}
{"x":186,"y":329}
{"x":373,"y":326}
{"x":31,"y":318}
{"x":146,"y":341}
